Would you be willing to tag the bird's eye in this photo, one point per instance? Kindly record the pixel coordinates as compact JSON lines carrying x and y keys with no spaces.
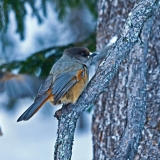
{"x":83,"y":54}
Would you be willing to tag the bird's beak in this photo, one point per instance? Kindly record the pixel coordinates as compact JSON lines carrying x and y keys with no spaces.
{"x":92,"y":54}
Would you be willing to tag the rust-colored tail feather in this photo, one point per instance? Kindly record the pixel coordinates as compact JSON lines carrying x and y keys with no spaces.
{"x":34,"y":108}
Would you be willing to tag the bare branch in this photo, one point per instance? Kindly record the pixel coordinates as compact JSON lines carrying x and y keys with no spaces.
{"x":68,"y":115}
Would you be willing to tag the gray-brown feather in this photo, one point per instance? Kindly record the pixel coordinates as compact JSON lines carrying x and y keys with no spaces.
{"x":45,"y":86}
{"x":62,"y":84}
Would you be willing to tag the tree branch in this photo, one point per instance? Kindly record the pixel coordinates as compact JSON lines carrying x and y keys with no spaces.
{"x":68,"y":115}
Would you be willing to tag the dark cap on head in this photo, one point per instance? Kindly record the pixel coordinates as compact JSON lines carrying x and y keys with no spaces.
{"x":81,"y":51}
{"x":80,"y":55}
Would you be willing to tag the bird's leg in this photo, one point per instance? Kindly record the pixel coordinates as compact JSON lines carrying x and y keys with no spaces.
{"x":65,"y":108}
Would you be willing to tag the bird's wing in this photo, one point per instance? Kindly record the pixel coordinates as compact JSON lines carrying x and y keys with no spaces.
{"x":64,"y":82}
{"x":45,"y":86}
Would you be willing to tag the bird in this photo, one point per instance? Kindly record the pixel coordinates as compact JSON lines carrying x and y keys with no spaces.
{"x":18,"y":85}
{"x":66,"y":81}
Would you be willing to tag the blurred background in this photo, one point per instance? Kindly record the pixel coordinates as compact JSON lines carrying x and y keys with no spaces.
{"x":33,"y":36}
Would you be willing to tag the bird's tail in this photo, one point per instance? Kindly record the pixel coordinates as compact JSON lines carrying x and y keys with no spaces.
{"x":34,"y":108}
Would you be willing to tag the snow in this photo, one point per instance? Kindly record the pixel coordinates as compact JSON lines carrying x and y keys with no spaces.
{"x":35,"y":139}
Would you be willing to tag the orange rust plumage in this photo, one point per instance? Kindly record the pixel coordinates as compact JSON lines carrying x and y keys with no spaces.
{"x":72,"y":95}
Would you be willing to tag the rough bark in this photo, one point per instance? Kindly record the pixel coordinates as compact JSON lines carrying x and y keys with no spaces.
{"x":149,"y":147}
{"x":68,"y":115}
{"x":111,"y":18}
{"x":136,"y":97}
{"x":119,"y":128}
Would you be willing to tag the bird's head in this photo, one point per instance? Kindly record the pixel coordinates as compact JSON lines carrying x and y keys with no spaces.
{"x":80,"y":54}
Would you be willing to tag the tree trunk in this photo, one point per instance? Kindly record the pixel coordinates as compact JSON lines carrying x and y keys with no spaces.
{"x":126,"y":121}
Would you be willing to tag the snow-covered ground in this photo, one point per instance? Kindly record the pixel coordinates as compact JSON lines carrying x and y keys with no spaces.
{"x":35,"y":139}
